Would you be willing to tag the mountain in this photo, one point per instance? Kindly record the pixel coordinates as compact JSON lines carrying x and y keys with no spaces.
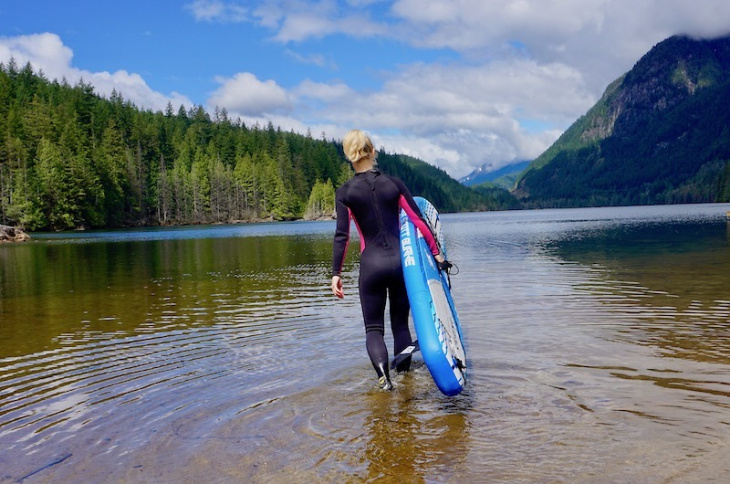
{"x":444,"y":192}
{"x":500,"y":177}
{"x":659,"y":134}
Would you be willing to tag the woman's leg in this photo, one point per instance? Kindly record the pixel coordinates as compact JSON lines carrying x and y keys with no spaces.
{"x":399,"y":310}
{"x":373,"y":296}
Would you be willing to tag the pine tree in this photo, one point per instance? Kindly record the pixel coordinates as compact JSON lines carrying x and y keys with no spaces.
{"x":247,"y":188}
{"x":321,"y":201}
{"x":54,"y":188}
{"x":200,"y":185}
{"x":112,"y":163}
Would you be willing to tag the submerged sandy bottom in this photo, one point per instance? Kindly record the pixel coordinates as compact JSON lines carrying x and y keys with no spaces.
{"x":597,"y":352}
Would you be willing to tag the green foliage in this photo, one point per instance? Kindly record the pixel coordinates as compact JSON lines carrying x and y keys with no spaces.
{"x":723,"y":184}
{"x":321,"y":202}
{"x":70,"y":158}
{"x":660,"y":134}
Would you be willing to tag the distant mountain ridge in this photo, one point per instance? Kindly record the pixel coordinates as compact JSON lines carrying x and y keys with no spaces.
{"x":483,"y":174}
{"x":442,"y":190}
{"x":659,"y":134}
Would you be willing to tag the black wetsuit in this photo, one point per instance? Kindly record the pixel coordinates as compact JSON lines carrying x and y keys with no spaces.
{"x":373,"y":200}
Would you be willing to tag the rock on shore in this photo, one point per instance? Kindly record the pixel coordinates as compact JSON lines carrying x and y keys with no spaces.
{"x":12,"y":234}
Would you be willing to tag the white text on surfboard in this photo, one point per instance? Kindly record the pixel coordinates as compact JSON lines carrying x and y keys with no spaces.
{"x":408,"y":259}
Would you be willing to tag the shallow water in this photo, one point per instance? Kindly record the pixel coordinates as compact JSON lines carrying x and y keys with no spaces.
{"x":597,"y":341}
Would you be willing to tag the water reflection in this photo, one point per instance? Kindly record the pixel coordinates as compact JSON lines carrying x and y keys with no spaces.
{"x":51,"y":291}
{"x":666,"y":284}
{"x":597,"y":340}
{"x":408,"y":439}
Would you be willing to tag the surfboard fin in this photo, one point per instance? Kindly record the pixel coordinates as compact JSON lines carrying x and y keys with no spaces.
{"x":408,"y":351}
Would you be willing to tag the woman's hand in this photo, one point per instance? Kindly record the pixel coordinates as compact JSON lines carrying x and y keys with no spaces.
{"x":337,"y":287}
{"x":442,"y":263}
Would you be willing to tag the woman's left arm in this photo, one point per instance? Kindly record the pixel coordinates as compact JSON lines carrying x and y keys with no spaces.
{"x":407,"y":203}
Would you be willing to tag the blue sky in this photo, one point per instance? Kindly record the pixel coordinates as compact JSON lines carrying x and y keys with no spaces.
{"x":458,"y":83}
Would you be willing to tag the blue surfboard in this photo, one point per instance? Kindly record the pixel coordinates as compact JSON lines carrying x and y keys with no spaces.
{"x":434,"y":315}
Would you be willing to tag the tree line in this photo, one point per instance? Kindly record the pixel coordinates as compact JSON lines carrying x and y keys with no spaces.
{"x":70,"y":158}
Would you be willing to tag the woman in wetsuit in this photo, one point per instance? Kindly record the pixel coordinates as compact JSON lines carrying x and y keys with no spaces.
{"x":373,"y":200}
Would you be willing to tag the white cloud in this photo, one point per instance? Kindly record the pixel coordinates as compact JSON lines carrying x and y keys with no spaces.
{"x":43,"y":51}
{"x":334,"y":92}
{"x":456,"y":116}
{"x":600,"y":38}
{"x":133,"y":88}
{"x":46,"y":52}
{"x":246,"y":95}
{"x":299,"y":20}
{"x":519,"y":71}
{"x":523,"y":64}
{"x":217,"y":11}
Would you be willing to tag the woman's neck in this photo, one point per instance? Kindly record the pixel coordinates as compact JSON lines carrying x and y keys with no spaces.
{"x":363,"y":165}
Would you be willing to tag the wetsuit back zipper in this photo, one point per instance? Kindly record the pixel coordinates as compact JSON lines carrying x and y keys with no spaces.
{"x":377,"y":210}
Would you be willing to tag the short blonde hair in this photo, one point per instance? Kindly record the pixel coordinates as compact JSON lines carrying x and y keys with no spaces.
{"x":357,"y":146}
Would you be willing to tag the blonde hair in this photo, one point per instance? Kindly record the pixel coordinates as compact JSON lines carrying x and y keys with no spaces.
{"x":357,"y":146}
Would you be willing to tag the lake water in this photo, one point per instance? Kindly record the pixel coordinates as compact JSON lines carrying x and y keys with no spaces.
{"x":598,"y":344}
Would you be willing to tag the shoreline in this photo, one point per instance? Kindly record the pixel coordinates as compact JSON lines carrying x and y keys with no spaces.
{"x":9,"y":229}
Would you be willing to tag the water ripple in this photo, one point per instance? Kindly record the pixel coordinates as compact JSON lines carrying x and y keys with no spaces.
{"x":597,"y":345}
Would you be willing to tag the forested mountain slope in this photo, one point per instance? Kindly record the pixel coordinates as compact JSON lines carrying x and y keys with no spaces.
{"x":660,"y":134}
{"x":447,"y":194}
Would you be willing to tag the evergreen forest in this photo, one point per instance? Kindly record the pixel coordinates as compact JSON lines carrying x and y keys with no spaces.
{"x":71,"y":159}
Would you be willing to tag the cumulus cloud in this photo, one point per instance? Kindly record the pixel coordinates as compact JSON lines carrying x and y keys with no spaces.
{"x":299,"y":20}
{"x":525,"y":70}
{"x":46,"y":52}
{"x":455,"y":116}
{"x":245,"y":94}
{"x":328,"y":92}
{"x":518,"y":72}
{"x":603,"y":38}
{"x":133,"y":88}
{"x":43,"y":51}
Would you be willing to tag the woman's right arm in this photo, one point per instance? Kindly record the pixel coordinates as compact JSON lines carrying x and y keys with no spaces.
{"x":342,"y":236}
